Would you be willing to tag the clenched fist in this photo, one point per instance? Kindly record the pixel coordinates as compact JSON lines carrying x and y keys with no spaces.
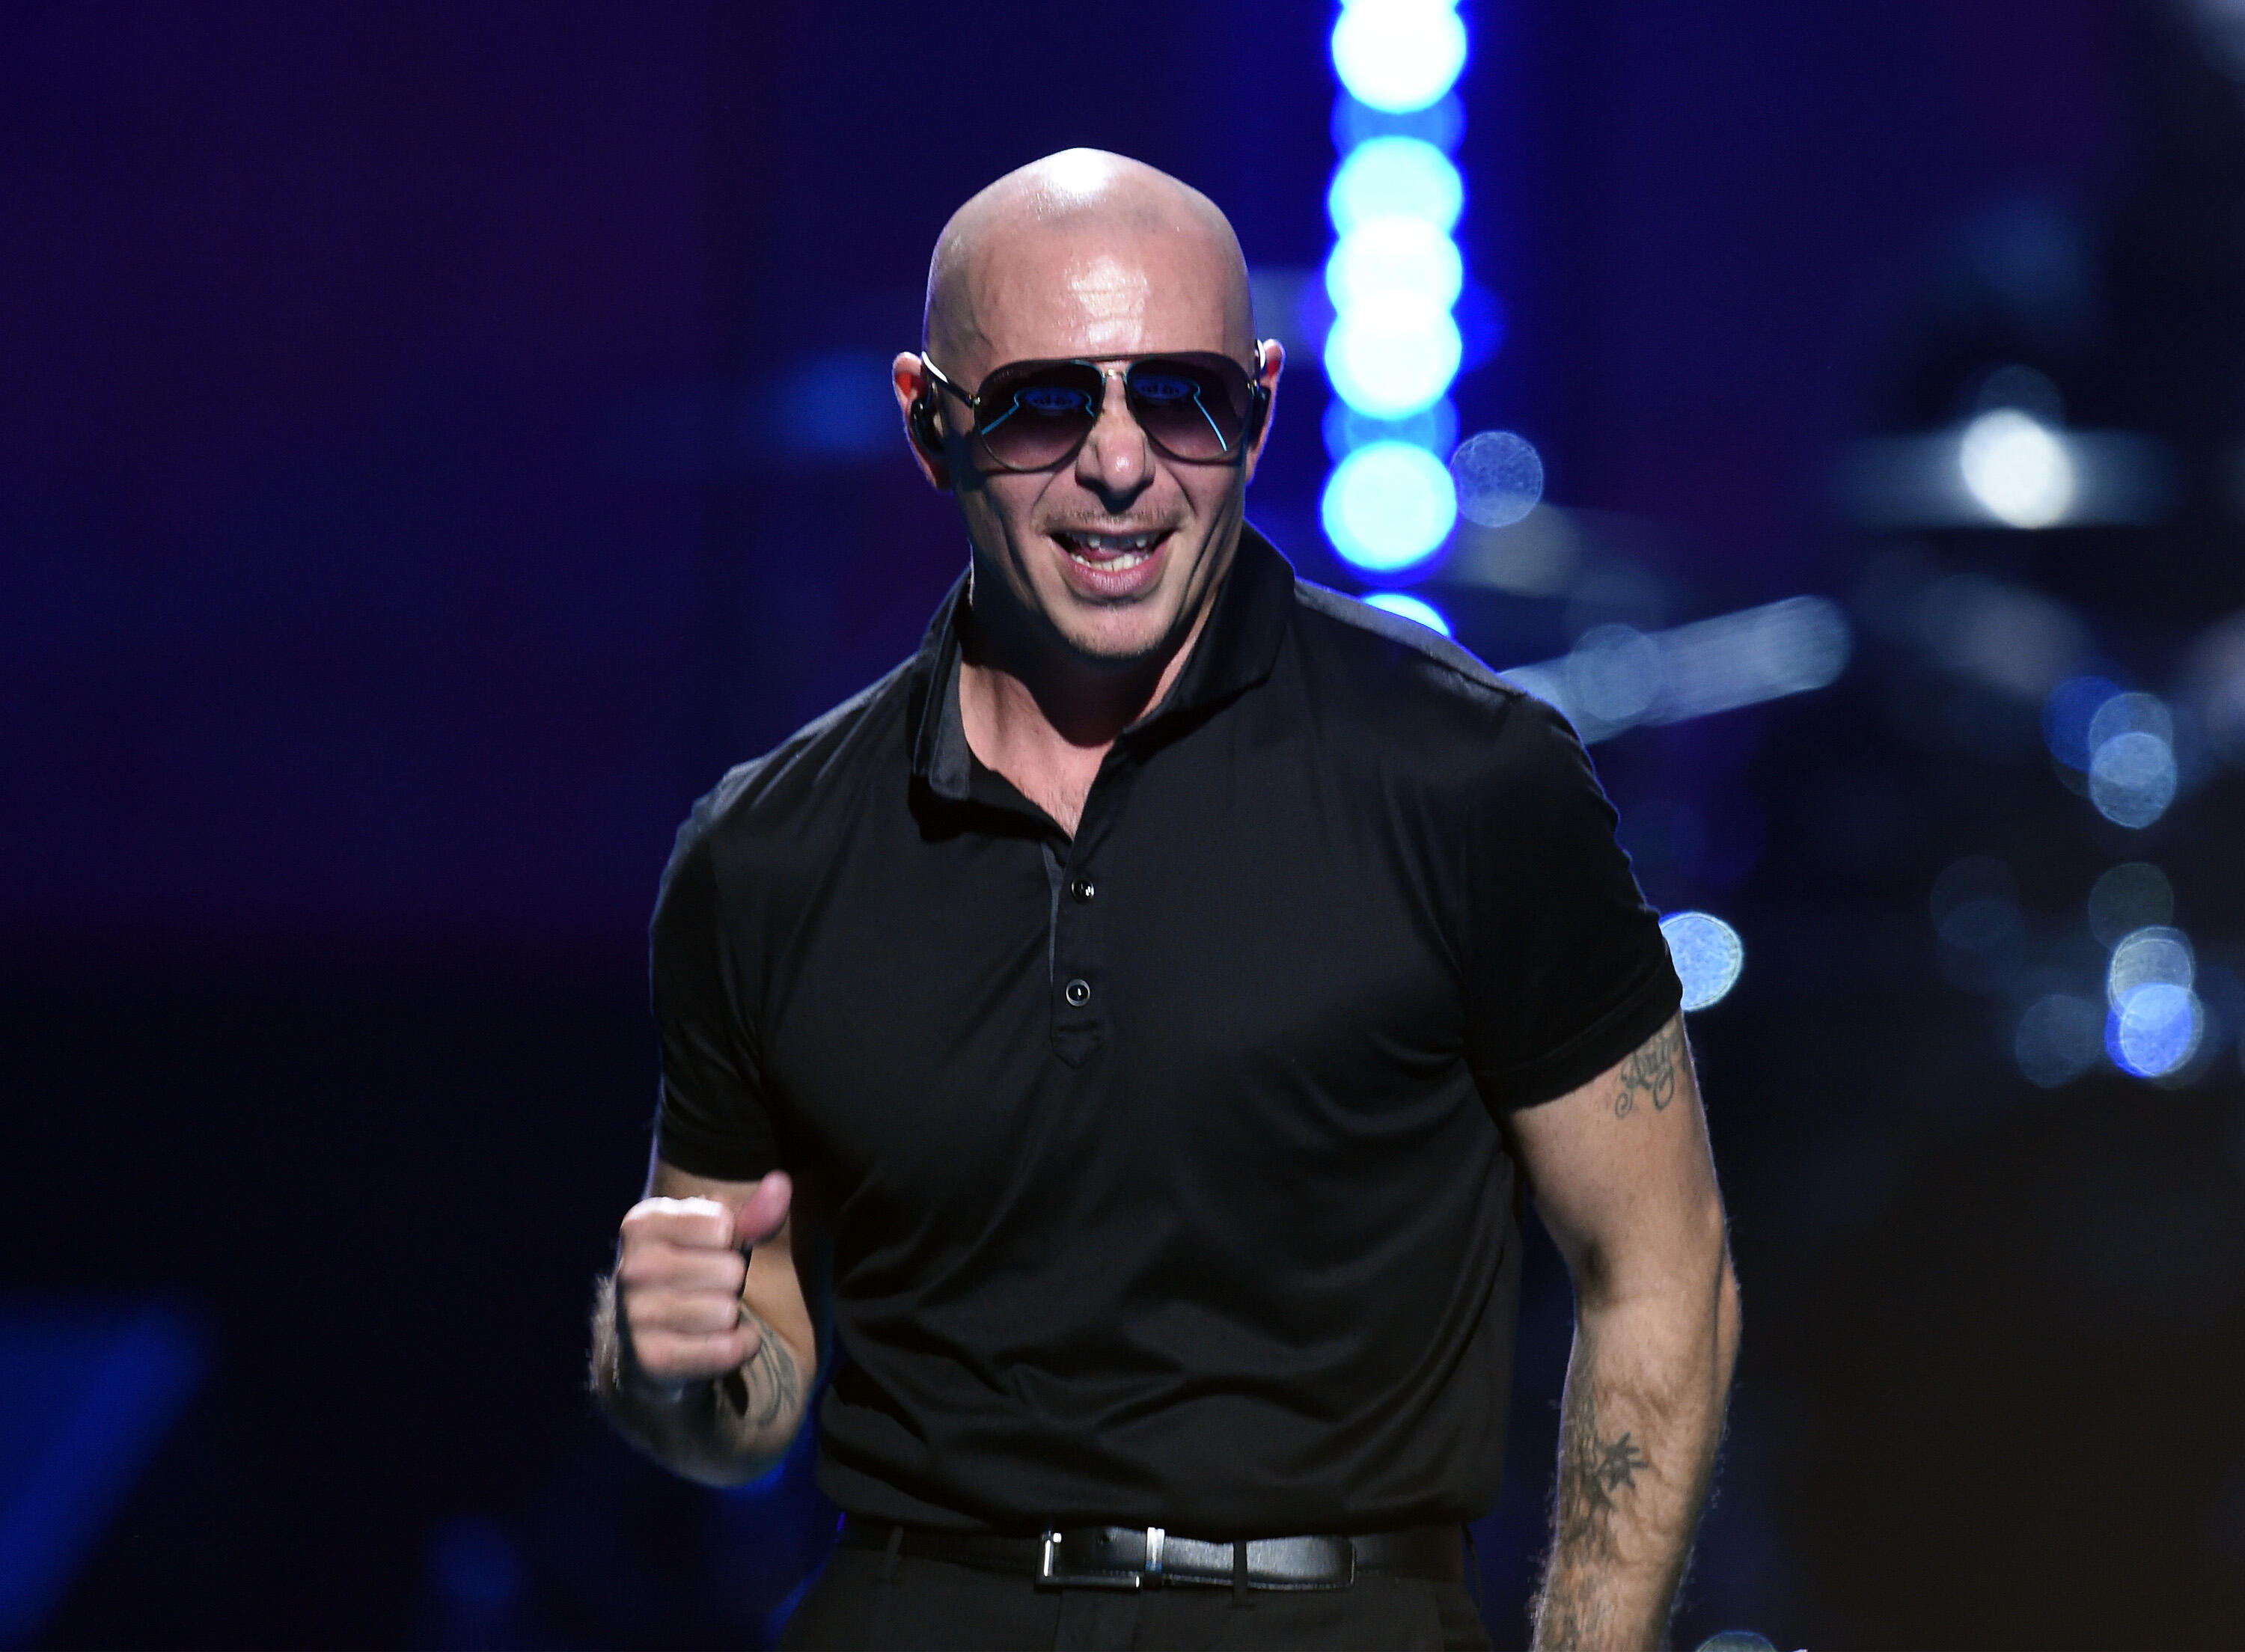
{"x":680,"y":1273}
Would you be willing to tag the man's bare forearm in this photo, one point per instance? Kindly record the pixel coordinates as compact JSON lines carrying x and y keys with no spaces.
{"x":1644,"y":1412}
{"x":720,"y":1432}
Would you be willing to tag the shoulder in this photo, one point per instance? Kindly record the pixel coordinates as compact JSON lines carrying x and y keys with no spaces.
{"x":810,"y":781}
{"x":1413,"y":691}
{"x":1398,"y":666}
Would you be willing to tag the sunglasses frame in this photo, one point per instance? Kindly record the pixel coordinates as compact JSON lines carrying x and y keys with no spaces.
{"x":1258,"y":398}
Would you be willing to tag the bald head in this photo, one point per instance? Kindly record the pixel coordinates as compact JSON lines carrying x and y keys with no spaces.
{"x":1085,"y":253}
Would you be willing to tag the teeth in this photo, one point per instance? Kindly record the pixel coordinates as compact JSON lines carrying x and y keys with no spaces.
{"x":1113,"y":544}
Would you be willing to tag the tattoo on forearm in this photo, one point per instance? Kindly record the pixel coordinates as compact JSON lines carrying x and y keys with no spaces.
{"x":1592,"y":1470}
{"x":1596,"y":1473}
{"x":1650,"y":1072}
{"x":768,"y":1387}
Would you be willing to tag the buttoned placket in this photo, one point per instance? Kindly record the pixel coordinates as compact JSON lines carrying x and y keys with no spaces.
{"x":1078,"y":977}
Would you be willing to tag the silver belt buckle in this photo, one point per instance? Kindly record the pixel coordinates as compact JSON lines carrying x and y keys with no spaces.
{"x":1052,"y":1572}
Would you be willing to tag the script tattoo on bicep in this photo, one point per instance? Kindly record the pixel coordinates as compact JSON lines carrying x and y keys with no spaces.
{"x":1650,"y":1071}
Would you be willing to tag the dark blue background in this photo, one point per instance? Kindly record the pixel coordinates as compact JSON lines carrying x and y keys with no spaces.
{"x":396,"y":532}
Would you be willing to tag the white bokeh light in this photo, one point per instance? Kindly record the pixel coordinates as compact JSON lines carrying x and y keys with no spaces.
{"x":1411,"y":608}
{"x":1388,"y":505}
{"x":2133,"y":779}
{"x":1708,"y":953}
{"x":1500,"y":478}
{"x":1398,"y":55}
{"x":1395,"y":177}
{"x":2018,"y":469}
{"x":1394,"y":358}
{"x":2155,"y":956}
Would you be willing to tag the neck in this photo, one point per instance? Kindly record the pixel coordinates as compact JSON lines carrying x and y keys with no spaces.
{"x":1043,"y":715}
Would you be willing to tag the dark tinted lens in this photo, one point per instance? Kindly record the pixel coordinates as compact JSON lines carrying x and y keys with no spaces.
{"x":1193,"y":406}
{"x":1032,"y":416}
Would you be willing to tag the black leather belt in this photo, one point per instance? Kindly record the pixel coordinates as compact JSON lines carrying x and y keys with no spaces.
{"x":1131,"y":1557}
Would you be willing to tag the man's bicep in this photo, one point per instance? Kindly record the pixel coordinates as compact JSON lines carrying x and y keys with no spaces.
{"x":1620,"y":1168}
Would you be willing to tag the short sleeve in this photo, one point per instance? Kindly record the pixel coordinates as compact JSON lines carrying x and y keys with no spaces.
{"x":711,"y":1119}
{"x":1567,"y":971}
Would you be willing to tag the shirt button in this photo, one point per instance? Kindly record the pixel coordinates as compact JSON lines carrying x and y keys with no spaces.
{"x":1081,"y":889}
{"x":1078,"y":993}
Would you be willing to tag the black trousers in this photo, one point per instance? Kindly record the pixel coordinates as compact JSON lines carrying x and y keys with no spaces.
{"x":934,"y":1604}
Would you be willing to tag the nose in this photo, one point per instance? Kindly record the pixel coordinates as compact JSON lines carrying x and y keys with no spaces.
{"x":1114,"y":460}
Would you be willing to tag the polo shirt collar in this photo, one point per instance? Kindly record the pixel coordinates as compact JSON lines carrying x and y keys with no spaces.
{"x":1234,"y":653}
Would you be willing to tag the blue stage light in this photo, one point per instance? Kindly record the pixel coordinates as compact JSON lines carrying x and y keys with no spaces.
{"x":1398,"y":55}
{"x":1434,"y":429}
{"x":2155,"y":1030}
{"x":1395,"y":357}
{"x":1395,"y":177}
{"x":1441,"y":123}
{"x":1394,"y":347}
{"x":1411,"y":608}
{"x":1388,"y":255}
{"x":1389,"y":506}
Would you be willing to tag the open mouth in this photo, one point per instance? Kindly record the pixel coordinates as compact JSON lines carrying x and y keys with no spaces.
{"x":1111,"y":552}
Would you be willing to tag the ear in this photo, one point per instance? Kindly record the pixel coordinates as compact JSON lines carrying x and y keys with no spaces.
{"x":920,"y":402}
{"x":1273,"y":359}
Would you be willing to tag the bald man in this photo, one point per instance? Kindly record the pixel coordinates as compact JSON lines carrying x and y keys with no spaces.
{"x":1119,"y":1036}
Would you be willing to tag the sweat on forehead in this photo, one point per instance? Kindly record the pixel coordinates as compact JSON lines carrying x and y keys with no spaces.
{"x":1099,"y":226}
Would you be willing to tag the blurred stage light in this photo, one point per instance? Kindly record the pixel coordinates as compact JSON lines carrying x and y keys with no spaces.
{"x":2132,"y":779}
{"x":1434,"y":429}
{"x":2007,"y":468}
{"x":2134,"y":895}
{"x":2157,"y":1031}
{"x":1394,"y":256}
{"x":1395,"y":177}
{"x":2125,"y":714}
{"x":1781,"y":648}
{"x":1389,"y":506}
{"x":1536,"y":556}
{"x":2131,"y":765}
{"x":1411,"y":608}
{"x":1499,"y":477}
{"x":2154,"y":956}
{"x":2012,"y":637}
{"x":2059,"y":1038}
{"x":1734,"y":660}
{"x":1394,"y":277}
{"x":1394,"y":358}
{"x":91,"y":1388}
{"x":2067,"y":716}
{"x":1441,"y":123}
{"x":1708,"y":953}
{"x":1398,"y":55}
{"x":2017,"y":470}
{"x":1614,"y":673}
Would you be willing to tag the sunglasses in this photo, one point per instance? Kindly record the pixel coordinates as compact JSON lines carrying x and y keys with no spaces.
{"x":1197,"y":406}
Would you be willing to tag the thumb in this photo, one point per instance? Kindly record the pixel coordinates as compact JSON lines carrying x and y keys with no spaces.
{"x":760,"y":1218}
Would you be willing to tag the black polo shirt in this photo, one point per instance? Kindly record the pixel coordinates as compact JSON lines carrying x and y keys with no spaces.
{"x":1164,"y":1164}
